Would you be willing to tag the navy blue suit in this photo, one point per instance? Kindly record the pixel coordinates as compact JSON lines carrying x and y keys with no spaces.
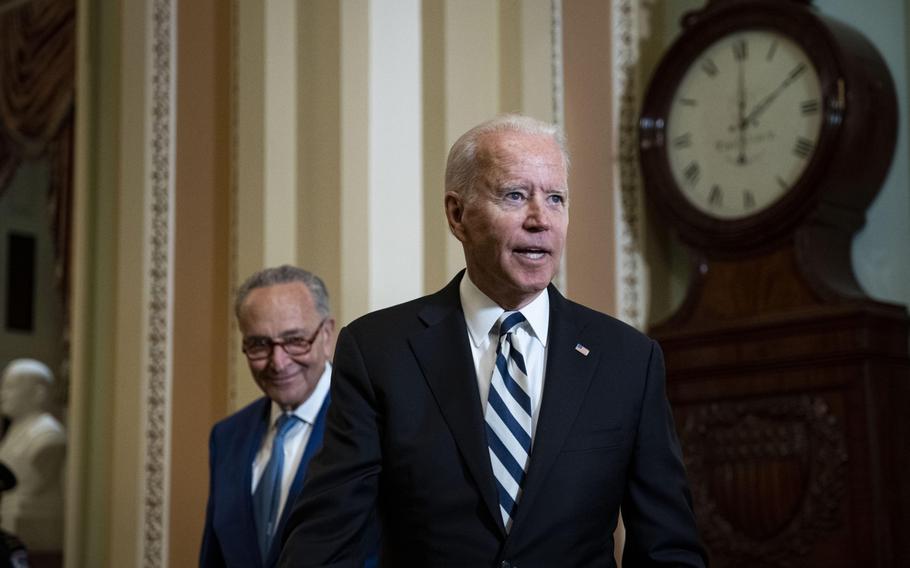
{"x":230,"y":529}
{"x":406,"y":449}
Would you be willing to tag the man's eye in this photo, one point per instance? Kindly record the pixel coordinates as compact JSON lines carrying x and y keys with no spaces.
{"x":258,"y":344}
{"x":514,"y":196}
{"x":557,"y":198}
{"x":296,"y":341}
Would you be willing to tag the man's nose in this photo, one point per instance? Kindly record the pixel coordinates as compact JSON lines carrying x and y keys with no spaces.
{"x":278,"y":358}
{"x":538,"y":217}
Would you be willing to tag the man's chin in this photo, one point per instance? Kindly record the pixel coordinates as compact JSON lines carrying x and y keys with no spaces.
{"x":521,"y":294}
{"x":286,"y":402}
{"x":288,"y":396}
{"x":533,"y":284}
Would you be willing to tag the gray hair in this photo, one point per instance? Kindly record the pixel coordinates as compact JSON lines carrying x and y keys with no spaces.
{"x":285,"y":274}
{"x":462,"y":169}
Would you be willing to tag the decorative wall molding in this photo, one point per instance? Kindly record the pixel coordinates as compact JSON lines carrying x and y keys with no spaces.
{"x":558,"y":90}
{"x":158,"y":279}
{"x":629,"y":222}
{"x":558,"y":87}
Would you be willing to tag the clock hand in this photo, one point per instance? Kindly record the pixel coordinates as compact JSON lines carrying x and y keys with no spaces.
{"x":760,"y":107}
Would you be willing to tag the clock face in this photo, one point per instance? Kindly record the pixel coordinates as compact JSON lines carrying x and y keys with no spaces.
{"x":743,"y":123}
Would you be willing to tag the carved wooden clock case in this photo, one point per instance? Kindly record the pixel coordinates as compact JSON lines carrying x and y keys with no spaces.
{"x":765,"y":133}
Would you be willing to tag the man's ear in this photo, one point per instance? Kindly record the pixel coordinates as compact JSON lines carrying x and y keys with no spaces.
{"x":329,"y":344}
{"x":454,"y":204}
{"x":329,"y":325}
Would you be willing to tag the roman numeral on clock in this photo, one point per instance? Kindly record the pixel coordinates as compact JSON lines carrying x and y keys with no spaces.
{"x":809,"y":106}
{"x":803,"y":147}
{"x":771,"y":51}
{"x":716,"y":197}
{"x":740,"y":50}
{"x":683,"y":140}
{"x":748,"y":200}
{"x":709,"y":67}
{"x":692,"y":172}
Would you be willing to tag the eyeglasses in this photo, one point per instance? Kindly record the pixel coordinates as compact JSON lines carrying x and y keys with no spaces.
{"x":258,"y":348}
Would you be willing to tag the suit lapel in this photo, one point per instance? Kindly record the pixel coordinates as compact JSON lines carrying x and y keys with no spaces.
{"x":251,"y":447}
{"x":567,"y":377}
{"x":445,"y":358}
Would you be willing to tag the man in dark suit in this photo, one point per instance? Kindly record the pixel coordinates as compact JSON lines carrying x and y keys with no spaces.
{"x":283,"y":314}
{"x":495,"y":422}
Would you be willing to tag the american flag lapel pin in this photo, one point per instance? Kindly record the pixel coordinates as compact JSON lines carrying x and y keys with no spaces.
{"x":582,"y":349}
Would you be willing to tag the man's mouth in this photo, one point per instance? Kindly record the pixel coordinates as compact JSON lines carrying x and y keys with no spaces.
{"x":532,"y":253}
{"x":281,"y":379}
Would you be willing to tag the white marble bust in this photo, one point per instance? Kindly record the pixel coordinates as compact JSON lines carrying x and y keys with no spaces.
{"x":34,"y":449}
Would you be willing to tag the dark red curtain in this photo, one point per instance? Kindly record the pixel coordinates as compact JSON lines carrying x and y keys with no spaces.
{"x":37,"y":70}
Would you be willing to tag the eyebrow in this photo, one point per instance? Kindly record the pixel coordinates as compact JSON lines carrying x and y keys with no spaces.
{"x":507,"y":187}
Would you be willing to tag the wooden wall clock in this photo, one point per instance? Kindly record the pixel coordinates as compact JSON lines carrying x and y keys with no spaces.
{"x":765,"y":134}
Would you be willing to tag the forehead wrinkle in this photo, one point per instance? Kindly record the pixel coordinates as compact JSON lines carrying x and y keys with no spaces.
{"x":499,"y":154}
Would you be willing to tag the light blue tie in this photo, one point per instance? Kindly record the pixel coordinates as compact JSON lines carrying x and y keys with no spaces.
{"x":268,"y":493}
{"x":508,"y":419}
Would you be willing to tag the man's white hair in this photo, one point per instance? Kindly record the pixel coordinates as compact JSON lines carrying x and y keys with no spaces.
{"x":461,"y":166}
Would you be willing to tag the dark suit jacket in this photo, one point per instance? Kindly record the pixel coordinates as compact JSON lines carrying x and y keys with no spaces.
{"x":230,"y":528}
{"x":406,"y":445}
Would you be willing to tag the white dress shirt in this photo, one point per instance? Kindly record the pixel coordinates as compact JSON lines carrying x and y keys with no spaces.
{"x":481,"y":315}
{"x":295,"y":441}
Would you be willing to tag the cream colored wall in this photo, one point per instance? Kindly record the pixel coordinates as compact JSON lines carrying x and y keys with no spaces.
{"x":202,"y":315}
{"x":129,"y":299}
{"x":101,"y":512}
{"x":88,"y":516}
{"x":394,"y":243}
{"x":588,"y":75}
{"x":280,"y":133}
{"x":461,"y":88}
{"x":319,"y":151}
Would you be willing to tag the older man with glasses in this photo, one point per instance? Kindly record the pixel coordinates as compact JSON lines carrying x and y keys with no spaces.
{"x":259,"y":454}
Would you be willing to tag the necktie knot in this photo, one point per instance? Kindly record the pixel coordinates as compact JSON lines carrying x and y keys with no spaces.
{"x":508,"y":321}
{"x":284,"y":424}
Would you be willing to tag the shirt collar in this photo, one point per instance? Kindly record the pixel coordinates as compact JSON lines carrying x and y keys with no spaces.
{"x":309,"y":410}
{"x":480,"y":312}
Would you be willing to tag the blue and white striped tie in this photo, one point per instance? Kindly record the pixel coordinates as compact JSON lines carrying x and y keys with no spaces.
{"x":508,"y":419}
